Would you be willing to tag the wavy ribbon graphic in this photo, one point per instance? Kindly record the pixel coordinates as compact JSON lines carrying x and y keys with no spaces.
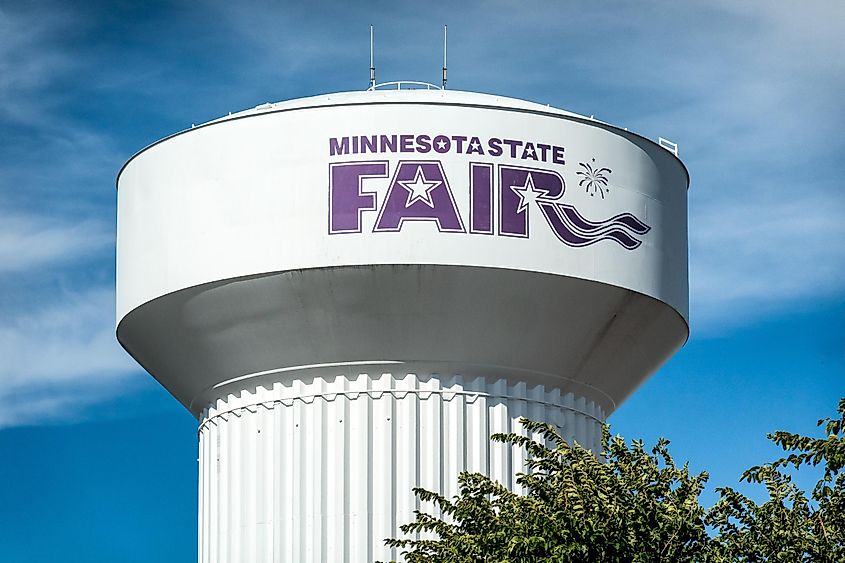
{"x":574,"y":230}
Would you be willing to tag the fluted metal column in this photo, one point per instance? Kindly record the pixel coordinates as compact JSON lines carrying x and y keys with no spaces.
{"x":322,"y":469}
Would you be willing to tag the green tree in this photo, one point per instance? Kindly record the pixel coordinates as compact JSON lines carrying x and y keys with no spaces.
{"x":789,"y":526}
{"x":635,"y":506}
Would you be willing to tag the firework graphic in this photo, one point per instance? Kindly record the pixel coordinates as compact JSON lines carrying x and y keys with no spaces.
{"x":593,"y":178}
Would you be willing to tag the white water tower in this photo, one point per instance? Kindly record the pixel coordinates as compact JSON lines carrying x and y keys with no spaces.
{"x":351,"y":292}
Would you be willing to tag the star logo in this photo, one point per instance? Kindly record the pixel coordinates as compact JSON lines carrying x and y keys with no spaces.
{"x":419,"y":189}
{"x":527,"y":194}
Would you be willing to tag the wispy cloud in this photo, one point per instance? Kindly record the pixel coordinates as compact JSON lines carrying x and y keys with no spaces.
{"x":752,"y":259}
{"x":30,"y":242}
{"x":758,"y":114}
{"x":750,"y":89}
{"x":57,"y":359}
{"x":45,"y":147}
{"x":58,"y":353}
{"x":31,"y":61}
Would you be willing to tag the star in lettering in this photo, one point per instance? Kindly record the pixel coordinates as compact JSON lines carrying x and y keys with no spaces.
{"x":441,"y":144}
{"x":527,"y":194}
{"x":419,"y":189}
{"x":475,"y":146}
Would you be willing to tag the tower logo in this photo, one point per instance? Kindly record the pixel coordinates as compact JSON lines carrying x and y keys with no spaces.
{"x":419,"y":190}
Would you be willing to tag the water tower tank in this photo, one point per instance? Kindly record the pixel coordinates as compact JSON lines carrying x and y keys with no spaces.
{"x":351,"y":292}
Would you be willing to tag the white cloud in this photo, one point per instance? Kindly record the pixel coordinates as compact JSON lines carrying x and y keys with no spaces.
{"x":58,"y":352}
{"x":767,"y":207}
{"x":43,"y":147}
{"x":57,"y":359}
{"x":754,"y":257}
{"x":29,"y":242}
{"x":750,"y":90}
{"x":44,"y":406}
{"x":30,"y":62}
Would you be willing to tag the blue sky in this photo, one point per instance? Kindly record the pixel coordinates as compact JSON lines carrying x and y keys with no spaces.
{"x":98,"y":462}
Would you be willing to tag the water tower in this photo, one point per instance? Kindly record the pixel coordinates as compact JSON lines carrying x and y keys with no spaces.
{"x":351,"y":292}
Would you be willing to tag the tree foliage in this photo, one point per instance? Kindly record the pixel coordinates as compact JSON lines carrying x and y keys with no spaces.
{"x":636,"y":505}
{"x":789,"y":526}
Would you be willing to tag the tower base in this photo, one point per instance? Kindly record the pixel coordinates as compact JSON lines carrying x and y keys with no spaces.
{"x":319,"y":468}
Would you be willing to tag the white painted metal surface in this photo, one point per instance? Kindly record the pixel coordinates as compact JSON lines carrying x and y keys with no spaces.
{"x":249,"y":194}
{"x":320,"y":469}
{"x":286,"y":268}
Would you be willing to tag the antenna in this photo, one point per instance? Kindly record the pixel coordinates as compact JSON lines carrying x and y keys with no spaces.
{"x":445,"y":41}
{"x":372,"y":62}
